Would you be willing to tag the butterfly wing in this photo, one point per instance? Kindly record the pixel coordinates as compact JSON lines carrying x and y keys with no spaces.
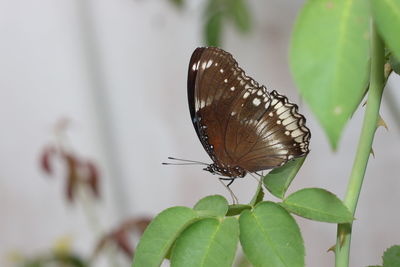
{"x":214,"y":83}
{"x":271,"y":131}
{"x":238,"y":122}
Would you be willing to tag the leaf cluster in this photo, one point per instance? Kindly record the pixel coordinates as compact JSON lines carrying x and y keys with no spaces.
{"x":208,"y":234}
{"x":218,"y":12}
{"x":55,"y":259}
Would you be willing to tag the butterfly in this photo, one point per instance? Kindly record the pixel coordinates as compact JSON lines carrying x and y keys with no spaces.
{"x":242,"y":126}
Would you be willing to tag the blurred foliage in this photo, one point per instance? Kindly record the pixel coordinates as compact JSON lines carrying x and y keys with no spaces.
{"x":79,"y":172}
{"x":213,"y":29}
{"x":217,"y":12}
{"x":178,"y":3}
{"x":120,"y":237}
{"x":55,"y":259}
{"x":240,"y":14}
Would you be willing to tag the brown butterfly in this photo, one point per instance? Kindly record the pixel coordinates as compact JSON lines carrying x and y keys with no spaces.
{"x":243,"y":127}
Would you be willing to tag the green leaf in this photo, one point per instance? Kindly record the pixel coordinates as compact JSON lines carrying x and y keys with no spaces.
{"x":391,"y":257}
{"x":212,"y":206}
{"x":319,"y":205}
{"x":240,"y":14}
{"x":161,"y":234}
{"x":178,"y":3}
{"x":278,"y":180}
{"x":329,"y":58}
{"x":236,"y":209}
{"x":213,"y":29}
{"x":271,"y":237}
{"x":258,"y":196}
{"x":207,"y":243}
{"x":387,"y":18}
{"x":68,"y":260}
{"x":56,"y":259}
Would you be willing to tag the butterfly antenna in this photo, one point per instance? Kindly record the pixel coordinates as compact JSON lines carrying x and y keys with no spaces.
{"x":184,"y":162}
{"x":235,"y":200}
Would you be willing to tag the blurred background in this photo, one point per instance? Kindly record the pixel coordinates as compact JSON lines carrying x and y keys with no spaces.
{"x":106,"y":81}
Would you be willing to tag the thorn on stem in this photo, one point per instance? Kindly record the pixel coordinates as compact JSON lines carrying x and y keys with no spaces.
{"x":332,"y":248}
{"x":381,"y":122}
{"x":387,"y":70}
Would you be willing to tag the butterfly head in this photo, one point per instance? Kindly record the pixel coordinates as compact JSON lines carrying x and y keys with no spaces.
{"x":233,"y":172}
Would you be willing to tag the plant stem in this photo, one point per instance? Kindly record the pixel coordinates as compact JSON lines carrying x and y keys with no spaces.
{"x":369,"y":127}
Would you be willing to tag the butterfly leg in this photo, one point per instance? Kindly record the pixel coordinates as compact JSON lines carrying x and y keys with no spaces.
{"x":260,"y":174}
{"x":234,"y":198}
{"x":228,"y":179}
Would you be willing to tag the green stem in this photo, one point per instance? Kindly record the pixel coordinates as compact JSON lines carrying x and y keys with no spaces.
{"x":364,"y":146}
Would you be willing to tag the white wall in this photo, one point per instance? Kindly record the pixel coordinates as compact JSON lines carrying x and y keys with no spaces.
{"x":118,"y":69}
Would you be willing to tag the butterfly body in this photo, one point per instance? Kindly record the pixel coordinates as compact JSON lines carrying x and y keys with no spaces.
{"x":243,"y":127}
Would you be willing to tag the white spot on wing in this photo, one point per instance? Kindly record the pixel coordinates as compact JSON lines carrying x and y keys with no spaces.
{"x":226,"y":80}
{"x":221,"y":70}
{"x":284,"y":113}
{"x":278,"y":105}
{"x":290,"y":127}
{"x":202,"y":103}
{"x":289,"y":120}
{"x":281,"y":112}
{"x":233,"y":88}
{"x":256,"y":102}
{"x":246,"y":95}
{"x":296,"y":133}
{"x":209,"y":63}
{"x":299,"y":139}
